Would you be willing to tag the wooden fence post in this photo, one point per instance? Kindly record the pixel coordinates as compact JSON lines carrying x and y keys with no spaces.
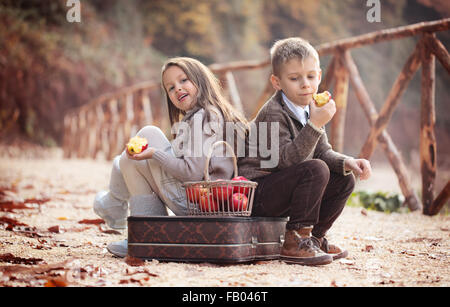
{"x":105,"y":128}
{"x":340,"y":97}
{"x":233,"y":91}
{"x":128,"y":117}
{"x":439,"y":202}
{"x":327,"y":78}
{"x":147,"y":109}
{"x":99,"y":119}
{"x":81,"y":135}
{"x":67,"y":146}
{"x":439,"y":50}
{"x":427,"y":135}
{"x":112,"y":131}
{"x":90,"y":133}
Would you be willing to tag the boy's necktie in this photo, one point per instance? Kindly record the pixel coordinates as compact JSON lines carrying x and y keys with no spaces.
{"x":306,"y":117}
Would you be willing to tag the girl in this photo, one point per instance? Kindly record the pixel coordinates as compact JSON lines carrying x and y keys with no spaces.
{"x":152,"y":180}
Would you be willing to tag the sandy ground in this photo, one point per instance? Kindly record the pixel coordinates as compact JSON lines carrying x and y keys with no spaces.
{"x":384,"y":249}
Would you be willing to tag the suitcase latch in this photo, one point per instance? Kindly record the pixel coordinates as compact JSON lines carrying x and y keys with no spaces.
{"x":254,"y":242}
{"x":281,"y":239}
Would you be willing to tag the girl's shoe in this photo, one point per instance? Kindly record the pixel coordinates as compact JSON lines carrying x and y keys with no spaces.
{"x":111,"y":209}
{"x":119,"y":249}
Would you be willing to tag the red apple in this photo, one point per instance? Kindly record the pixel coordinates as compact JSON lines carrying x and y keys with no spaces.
{"x":194,"y":193}
{"x":238,"y":189}
{"x":239,"y":202}
{"x":206,"y":206}
{"x":222,"y":192}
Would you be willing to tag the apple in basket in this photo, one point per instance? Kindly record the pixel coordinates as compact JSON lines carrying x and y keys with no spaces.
{"x":239,"y":202}
{"x":238,"y":189}
{"x":195,"y":192}
{"x":222,"y":192}
{"x":206,"y":206}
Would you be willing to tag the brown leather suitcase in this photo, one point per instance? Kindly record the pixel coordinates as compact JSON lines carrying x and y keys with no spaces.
{"x":205,"y":239}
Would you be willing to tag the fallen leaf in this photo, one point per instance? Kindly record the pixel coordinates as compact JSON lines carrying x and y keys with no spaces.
{"x":409,"y":253}
{"x":5,"y":190}
{"x":334,"y":284}
{"x":150,"y":273}
{"x":139,"y":277}
{"x":368,"y":248}
{"x":56,"y":282}
{"x":10,"y":258}
{"x":93,"y":222}
{"x":140,"y":270}
{"x":38,"y":201}
{"x":383,"y":282}
{"x":133,"y":261}
{"x":19,"y":227}
{"x":11,"y":222}
{"x":30,"y":233}
{"x":54,"y":229}
{"x":109,"y":231}
{"x":10,"y":206}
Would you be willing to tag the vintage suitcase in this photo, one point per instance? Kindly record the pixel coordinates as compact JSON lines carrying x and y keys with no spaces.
{"x":205,"y":239}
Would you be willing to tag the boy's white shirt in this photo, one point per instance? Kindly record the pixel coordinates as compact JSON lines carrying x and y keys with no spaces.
{"x":298,"y":111}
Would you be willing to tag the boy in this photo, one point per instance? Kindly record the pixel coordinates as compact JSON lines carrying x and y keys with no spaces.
{"x":311,"y":182}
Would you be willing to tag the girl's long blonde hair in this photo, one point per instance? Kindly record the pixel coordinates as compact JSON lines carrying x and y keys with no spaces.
{"x":209,"y":93}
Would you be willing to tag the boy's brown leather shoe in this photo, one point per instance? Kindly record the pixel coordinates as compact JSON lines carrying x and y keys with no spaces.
{"x":299,"y":247}
{"x":335,"y":251}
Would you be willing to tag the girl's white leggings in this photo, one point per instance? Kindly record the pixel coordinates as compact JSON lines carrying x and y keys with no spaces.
{"x":147,"y":176}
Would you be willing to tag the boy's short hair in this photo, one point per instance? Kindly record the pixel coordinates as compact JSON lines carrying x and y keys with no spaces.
{"x":288,"y":49}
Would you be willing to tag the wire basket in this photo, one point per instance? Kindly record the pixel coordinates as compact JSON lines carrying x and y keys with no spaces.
{"x":220,"y":197}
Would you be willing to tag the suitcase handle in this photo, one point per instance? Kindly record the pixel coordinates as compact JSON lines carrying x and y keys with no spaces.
{"x":208,"y":158}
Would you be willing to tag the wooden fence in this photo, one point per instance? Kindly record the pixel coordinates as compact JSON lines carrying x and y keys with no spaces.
{"x":113,"y":118}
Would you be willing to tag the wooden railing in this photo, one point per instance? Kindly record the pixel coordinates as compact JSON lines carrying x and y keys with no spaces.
{"x":113,"y":118}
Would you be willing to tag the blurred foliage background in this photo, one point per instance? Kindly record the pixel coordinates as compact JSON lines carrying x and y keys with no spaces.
{"x":48,"y":65}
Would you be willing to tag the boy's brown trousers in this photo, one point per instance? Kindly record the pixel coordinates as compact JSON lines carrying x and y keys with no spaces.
{"x":308,"y":193}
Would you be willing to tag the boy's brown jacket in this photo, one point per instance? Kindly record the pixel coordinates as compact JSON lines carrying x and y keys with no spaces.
{"x":297,"y":143}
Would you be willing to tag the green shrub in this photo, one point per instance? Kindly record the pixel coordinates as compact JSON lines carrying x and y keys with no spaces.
{"x":379,"y":201}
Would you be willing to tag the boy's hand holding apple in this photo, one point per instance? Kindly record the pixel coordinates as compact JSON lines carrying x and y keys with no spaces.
{"x":321,"y":112}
